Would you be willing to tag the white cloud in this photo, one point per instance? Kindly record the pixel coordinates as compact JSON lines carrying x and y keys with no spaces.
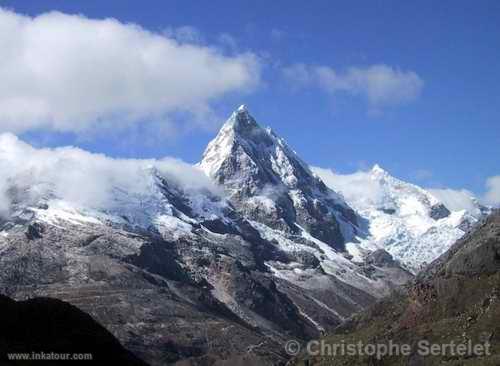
{"x":4,"y":201}
{"x":64,"y":72}
{"x":360,"y":190}
{"x":357,"y":188}
{"x":300,"y":75}
{"x":492,"y":195}
{"x":462,"y":199}
{"x":381,"y":85}
{"x":84,"y":178}
{"x":457,"y":199}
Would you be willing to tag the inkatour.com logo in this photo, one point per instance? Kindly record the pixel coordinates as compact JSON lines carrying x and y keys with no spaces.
{"x":380,"y":350}
{"x":50,"y":356}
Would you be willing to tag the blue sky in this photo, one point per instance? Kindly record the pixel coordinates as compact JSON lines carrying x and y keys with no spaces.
{"x":444,"y":133}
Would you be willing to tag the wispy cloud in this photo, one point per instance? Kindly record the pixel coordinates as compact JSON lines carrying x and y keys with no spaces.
{"x":184,"y":34}
{"x":228,"y":41}
{"x":456,"y":199}
{"x":492,"y":195}
{"x":423,"y":174}
{"x":380,"y":85}
{"x":462,"y":199}
{"x":65,"y":73}
{"x":277,"y":34}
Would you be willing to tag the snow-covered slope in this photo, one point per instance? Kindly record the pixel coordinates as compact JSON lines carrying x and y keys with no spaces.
{"x":404,"y":219}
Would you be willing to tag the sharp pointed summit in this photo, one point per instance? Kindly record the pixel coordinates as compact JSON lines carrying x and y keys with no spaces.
{"x":378,"y":169}
{"x":241,"y":121}
{"x":268,"y":180}
{"x":242,"y":109}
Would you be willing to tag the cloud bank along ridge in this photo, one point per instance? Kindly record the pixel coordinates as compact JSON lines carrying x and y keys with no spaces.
{"x":359,"y":187}
{"x":88,"y":179}
{"x":84,"y":178}
{"x":70,"y":73}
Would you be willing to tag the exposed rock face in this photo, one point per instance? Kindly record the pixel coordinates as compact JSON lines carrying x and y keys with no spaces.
{"x":456,"y":299}
{"x":47,"y":326}
{"x":381,"y":258}
{"x":269,"y":183}
{"x":439,"y":211}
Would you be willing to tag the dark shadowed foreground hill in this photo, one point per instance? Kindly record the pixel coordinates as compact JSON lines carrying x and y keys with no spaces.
{"x":49,"y":328}
{"x":455,"y":301}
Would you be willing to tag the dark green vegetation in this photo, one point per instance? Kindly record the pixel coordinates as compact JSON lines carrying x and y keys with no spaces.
{"x":456,"y":299}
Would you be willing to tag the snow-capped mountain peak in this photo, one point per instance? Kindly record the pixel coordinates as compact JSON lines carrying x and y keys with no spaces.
{"x":377,"y":169}
{"x":259,"y":150}
{"x":404,"y":219}
{"x":241,"y":119}
{"x":267,"y":180}
{"x":393,"y":189}
{"x":236,"y":129}
{"x":242,"y":108}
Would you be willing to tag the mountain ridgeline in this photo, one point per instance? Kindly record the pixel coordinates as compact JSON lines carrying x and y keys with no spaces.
{"x":181,"y":273}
